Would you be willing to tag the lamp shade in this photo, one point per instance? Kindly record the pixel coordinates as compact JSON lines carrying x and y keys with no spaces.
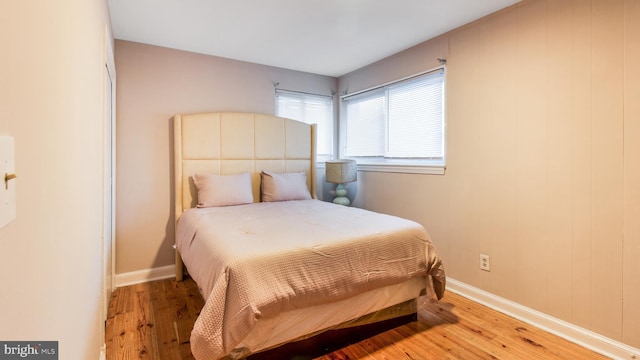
{"x":341,"y":171}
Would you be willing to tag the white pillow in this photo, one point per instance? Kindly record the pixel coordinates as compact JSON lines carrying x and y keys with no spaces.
{"x":223,"y":190}
{"x":283,"y":187}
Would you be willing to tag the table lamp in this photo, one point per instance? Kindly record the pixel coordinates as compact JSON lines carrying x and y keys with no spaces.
{"x":341,"y":172}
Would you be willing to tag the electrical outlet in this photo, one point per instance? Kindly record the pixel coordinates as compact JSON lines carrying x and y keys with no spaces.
{"x":484,"y":262}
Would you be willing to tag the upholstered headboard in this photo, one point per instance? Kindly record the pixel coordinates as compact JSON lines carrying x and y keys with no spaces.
{"x":227,"y":143}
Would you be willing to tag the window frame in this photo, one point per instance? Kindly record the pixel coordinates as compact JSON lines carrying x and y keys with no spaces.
{"x":396,"y":165}
{"x":320,"y":158}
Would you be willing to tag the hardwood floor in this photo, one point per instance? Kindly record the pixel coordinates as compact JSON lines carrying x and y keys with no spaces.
{"x":154,"y":320}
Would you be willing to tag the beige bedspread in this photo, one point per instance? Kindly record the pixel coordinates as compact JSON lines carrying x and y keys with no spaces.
{"x":258,"y":260}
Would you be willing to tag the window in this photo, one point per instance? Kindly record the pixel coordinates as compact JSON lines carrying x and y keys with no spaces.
{"x":311,"y":109}
{"x":398,"y":127}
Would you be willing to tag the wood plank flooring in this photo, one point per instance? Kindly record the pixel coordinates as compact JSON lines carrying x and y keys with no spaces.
{"x":154,"y":321}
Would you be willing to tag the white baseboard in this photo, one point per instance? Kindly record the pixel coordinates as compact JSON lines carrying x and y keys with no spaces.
{"x":142,"y":276}
{"x":573,"y":333}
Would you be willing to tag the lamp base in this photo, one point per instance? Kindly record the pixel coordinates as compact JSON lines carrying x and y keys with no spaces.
{"x":341,"y":196}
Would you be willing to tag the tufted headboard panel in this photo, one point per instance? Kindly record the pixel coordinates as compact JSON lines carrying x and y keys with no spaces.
{"x":227,"y":143}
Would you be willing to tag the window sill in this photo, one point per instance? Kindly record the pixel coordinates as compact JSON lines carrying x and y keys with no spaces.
{"x":398,"y":166}
{"x":431,"y":169}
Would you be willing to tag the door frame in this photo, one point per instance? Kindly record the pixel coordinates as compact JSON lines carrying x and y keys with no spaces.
{"x":109,"y":176}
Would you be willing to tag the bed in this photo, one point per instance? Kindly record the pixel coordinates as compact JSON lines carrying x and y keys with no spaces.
{"x":273,"y":263}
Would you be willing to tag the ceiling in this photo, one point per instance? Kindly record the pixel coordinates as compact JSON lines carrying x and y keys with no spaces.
{"x":327,"y":37}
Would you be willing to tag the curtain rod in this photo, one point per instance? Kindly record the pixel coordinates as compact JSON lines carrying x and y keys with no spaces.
{"x":439,"y":68}
{"x":275,"y":85}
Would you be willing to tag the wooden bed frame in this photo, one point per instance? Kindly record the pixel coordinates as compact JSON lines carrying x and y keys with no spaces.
{"x":227,"y":143}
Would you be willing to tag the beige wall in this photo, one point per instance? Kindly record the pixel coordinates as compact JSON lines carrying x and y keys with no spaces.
{"x":51,"y":100}
{"x":543,"y":159}
{"x":155,"y":83}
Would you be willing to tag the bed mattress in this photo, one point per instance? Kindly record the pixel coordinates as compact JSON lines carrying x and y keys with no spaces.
{"x":257,"y":261}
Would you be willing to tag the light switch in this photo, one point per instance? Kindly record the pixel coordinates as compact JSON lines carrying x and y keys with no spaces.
{"x":8,"y":180}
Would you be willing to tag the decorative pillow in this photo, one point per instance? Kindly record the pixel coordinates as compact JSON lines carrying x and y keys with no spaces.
{"x":223,"y":190}
{"x":283,"y":187}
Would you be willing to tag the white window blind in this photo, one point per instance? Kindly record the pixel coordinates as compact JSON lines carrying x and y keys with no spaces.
{"x":311,"y":109}
{"x":365,"y":126}
{"x":401,"y":123}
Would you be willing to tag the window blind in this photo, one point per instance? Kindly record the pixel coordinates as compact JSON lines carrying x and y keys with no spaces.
{"x":310,"y":109}
{"x":402,"y":120}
